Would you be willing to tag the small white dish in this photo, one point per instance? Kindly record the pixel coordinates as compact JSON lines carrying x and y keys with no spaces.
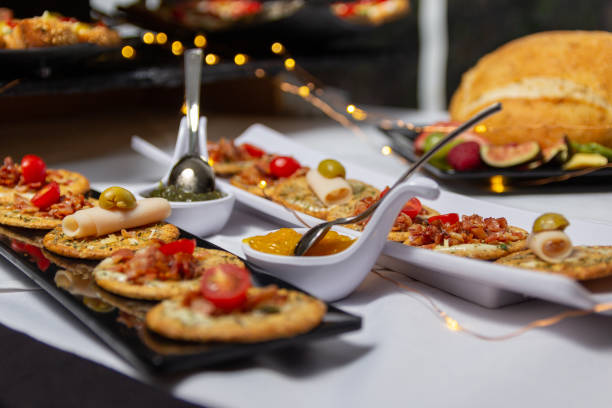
{"x":335,"y":276}
{"x":201,"y":218}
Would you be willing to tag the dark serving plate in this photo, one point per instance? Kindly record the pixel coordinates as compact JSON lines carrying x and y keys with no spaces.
{"x":402,"y":142}
{"x":43,"y":59}
{"x":118,"y":321}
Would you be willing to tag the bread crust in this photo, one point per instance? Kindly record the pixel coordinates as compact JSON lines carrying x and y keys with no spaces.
{"x":551,"y":84}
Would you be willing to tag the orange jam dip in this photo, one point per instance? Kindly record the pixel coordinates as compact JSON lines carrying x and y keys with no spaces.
{"x":284,"y":241}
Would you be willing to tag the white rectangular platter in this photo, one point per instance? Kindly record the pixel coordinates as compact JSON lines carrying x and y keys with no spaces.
{"x":481,"y":282}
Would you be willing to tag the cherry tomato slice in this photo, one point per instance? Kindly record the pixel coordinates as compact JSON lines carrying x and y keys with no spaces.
{"x":49,"y":194}
{"x":450,"y":218}
{"x":283,"y":166}
{"x":412,"y":208}
{"x":253,"y":150}
{"x":226,"y":285}
{"x":182,"y":245}
{"x":33,"y":169}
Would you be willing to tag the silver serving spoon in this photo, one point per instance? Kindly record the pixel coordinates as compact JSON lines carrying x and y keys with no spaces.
{"x":316,"y":233}
{"x":192,"y":173}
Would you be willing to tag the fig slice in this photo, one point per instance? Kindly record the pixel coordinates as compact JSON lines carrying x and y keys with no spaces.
{"x":510,"y":155}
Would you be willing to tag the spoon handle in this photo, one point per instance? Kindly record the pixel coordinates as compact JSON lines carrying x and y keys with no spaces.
{"x":193,"y":79}
{"x":416,"y":165}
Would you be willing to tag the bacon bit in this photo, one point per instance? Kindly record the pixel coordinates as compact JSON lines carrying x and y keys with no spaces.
{"x":471,"y":229}
{"x":9,"y":173}
{"x":151,"y":264}
{"x":128,"y":234}
{"x":226,"y":151}
{"x":122,"y":255}
{"x":402,"y":222}
{"x":69,"y":204}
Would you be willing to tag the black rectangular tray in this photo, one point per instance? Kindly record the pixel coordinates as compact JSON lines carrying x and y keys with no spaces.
{"x":402,"y":142}
{"x":136,"y":344}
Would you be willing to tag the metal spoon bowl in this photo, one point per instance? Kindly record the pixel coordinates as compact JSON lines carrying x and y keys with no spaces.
{"x":192,"y":173}
{"x":316,"y":233}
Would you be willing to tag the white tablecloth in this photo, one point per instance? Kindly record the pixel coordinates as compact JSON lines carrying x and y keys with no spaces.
{"x":403,"y":356}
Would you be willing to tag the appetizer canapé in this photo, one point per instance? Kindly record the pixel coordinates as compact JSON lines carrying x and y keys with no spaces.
{"x":45,"y":210}
{"x":550,"y":250}
{"x":96,"y":232}
{"x":228,"y":159}
{"x":159,"y":271}
{"x":28,"y":177}
{"x":227,"y":308}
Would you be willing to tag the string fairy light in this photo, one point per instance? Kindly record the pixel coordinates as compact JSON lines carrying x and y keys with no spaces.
{"x":127,"y":52}
{"x":161,"y":38}
{"x":453,"y":325}
{"x":199,"y":41}
{"x":148,"y":38}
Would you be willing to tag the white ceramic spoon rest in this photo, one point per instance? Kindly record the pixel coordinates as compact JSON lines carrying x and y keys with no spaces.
{"x":335,"y":276}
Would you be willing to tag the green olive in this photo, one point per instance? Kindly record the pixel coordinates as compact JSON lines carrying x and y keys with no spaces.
{"x":117,"y":197}
{"x":550,"y":222}
{"x":331,"y":168}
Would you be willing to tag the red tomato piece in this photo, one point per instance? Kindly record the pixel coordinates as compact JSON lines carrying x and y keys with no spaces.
{"x":284,"y":166}
{"x":33,"y":169}
{"x":226,"y":285}
{"x":182,"y":245}
{"x":450,"y":218}
{"x":384,"y":192}
{"x":46,"y":196}
{"x":253,"y":150}
{"x":412,"y":208}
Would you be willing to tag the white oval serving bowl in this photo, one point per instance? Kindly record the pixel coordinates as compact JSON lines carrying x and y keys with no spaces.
{"x":201,"y":218}
{"x":333,"y":277}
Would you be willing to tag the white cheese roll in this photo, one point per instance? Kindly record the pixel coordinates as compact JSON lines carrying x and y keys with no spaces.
{"x":97,"y":221}
{"x":330,"y":191}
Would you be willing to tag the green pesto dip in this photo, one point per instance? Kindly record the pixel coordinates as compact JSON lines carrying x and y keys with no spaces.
{"x":173,"y":193}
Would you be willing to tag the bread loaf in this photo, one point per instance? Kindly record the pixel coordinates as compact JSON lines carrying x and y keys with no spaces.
{"x":551,"y":84}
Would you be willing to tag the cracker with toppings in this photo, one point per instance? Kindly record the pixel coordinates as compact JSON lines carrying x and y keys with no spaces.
{"x":23,"y":214}
{"x":11,"y":182}
{"x":295,"y":193}
{"x":472,"y":237}
{"x":296,"y":313}
{"x":103,"y":246}
{"x":585,"y":262}
{"x":110,"y":275}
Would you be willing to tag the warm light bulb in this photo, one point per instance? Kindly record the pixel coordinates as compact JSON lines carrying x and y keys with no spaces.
{"x":359,"y":114}
{"x":184,"y":109}
{"x":303,"y":91}
{"x":211,"y":59}
{"x":262,"y":184}
{"x":177,"y":48}
{"x":277,"y":48}
{"x":161,"y":38}
{"x":290,"y":64}
{"x":480,"y":128}
{"x":199,"y":41}
{"x":386,"y":150}
{"x":452,"y":324}
{"x":148,"y":38}
{"x":260,"y":73}
{"x":497,"y":184}
{"x":350,"y":108}
{"x":240,"y":59}
{"x":127,"y":51}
